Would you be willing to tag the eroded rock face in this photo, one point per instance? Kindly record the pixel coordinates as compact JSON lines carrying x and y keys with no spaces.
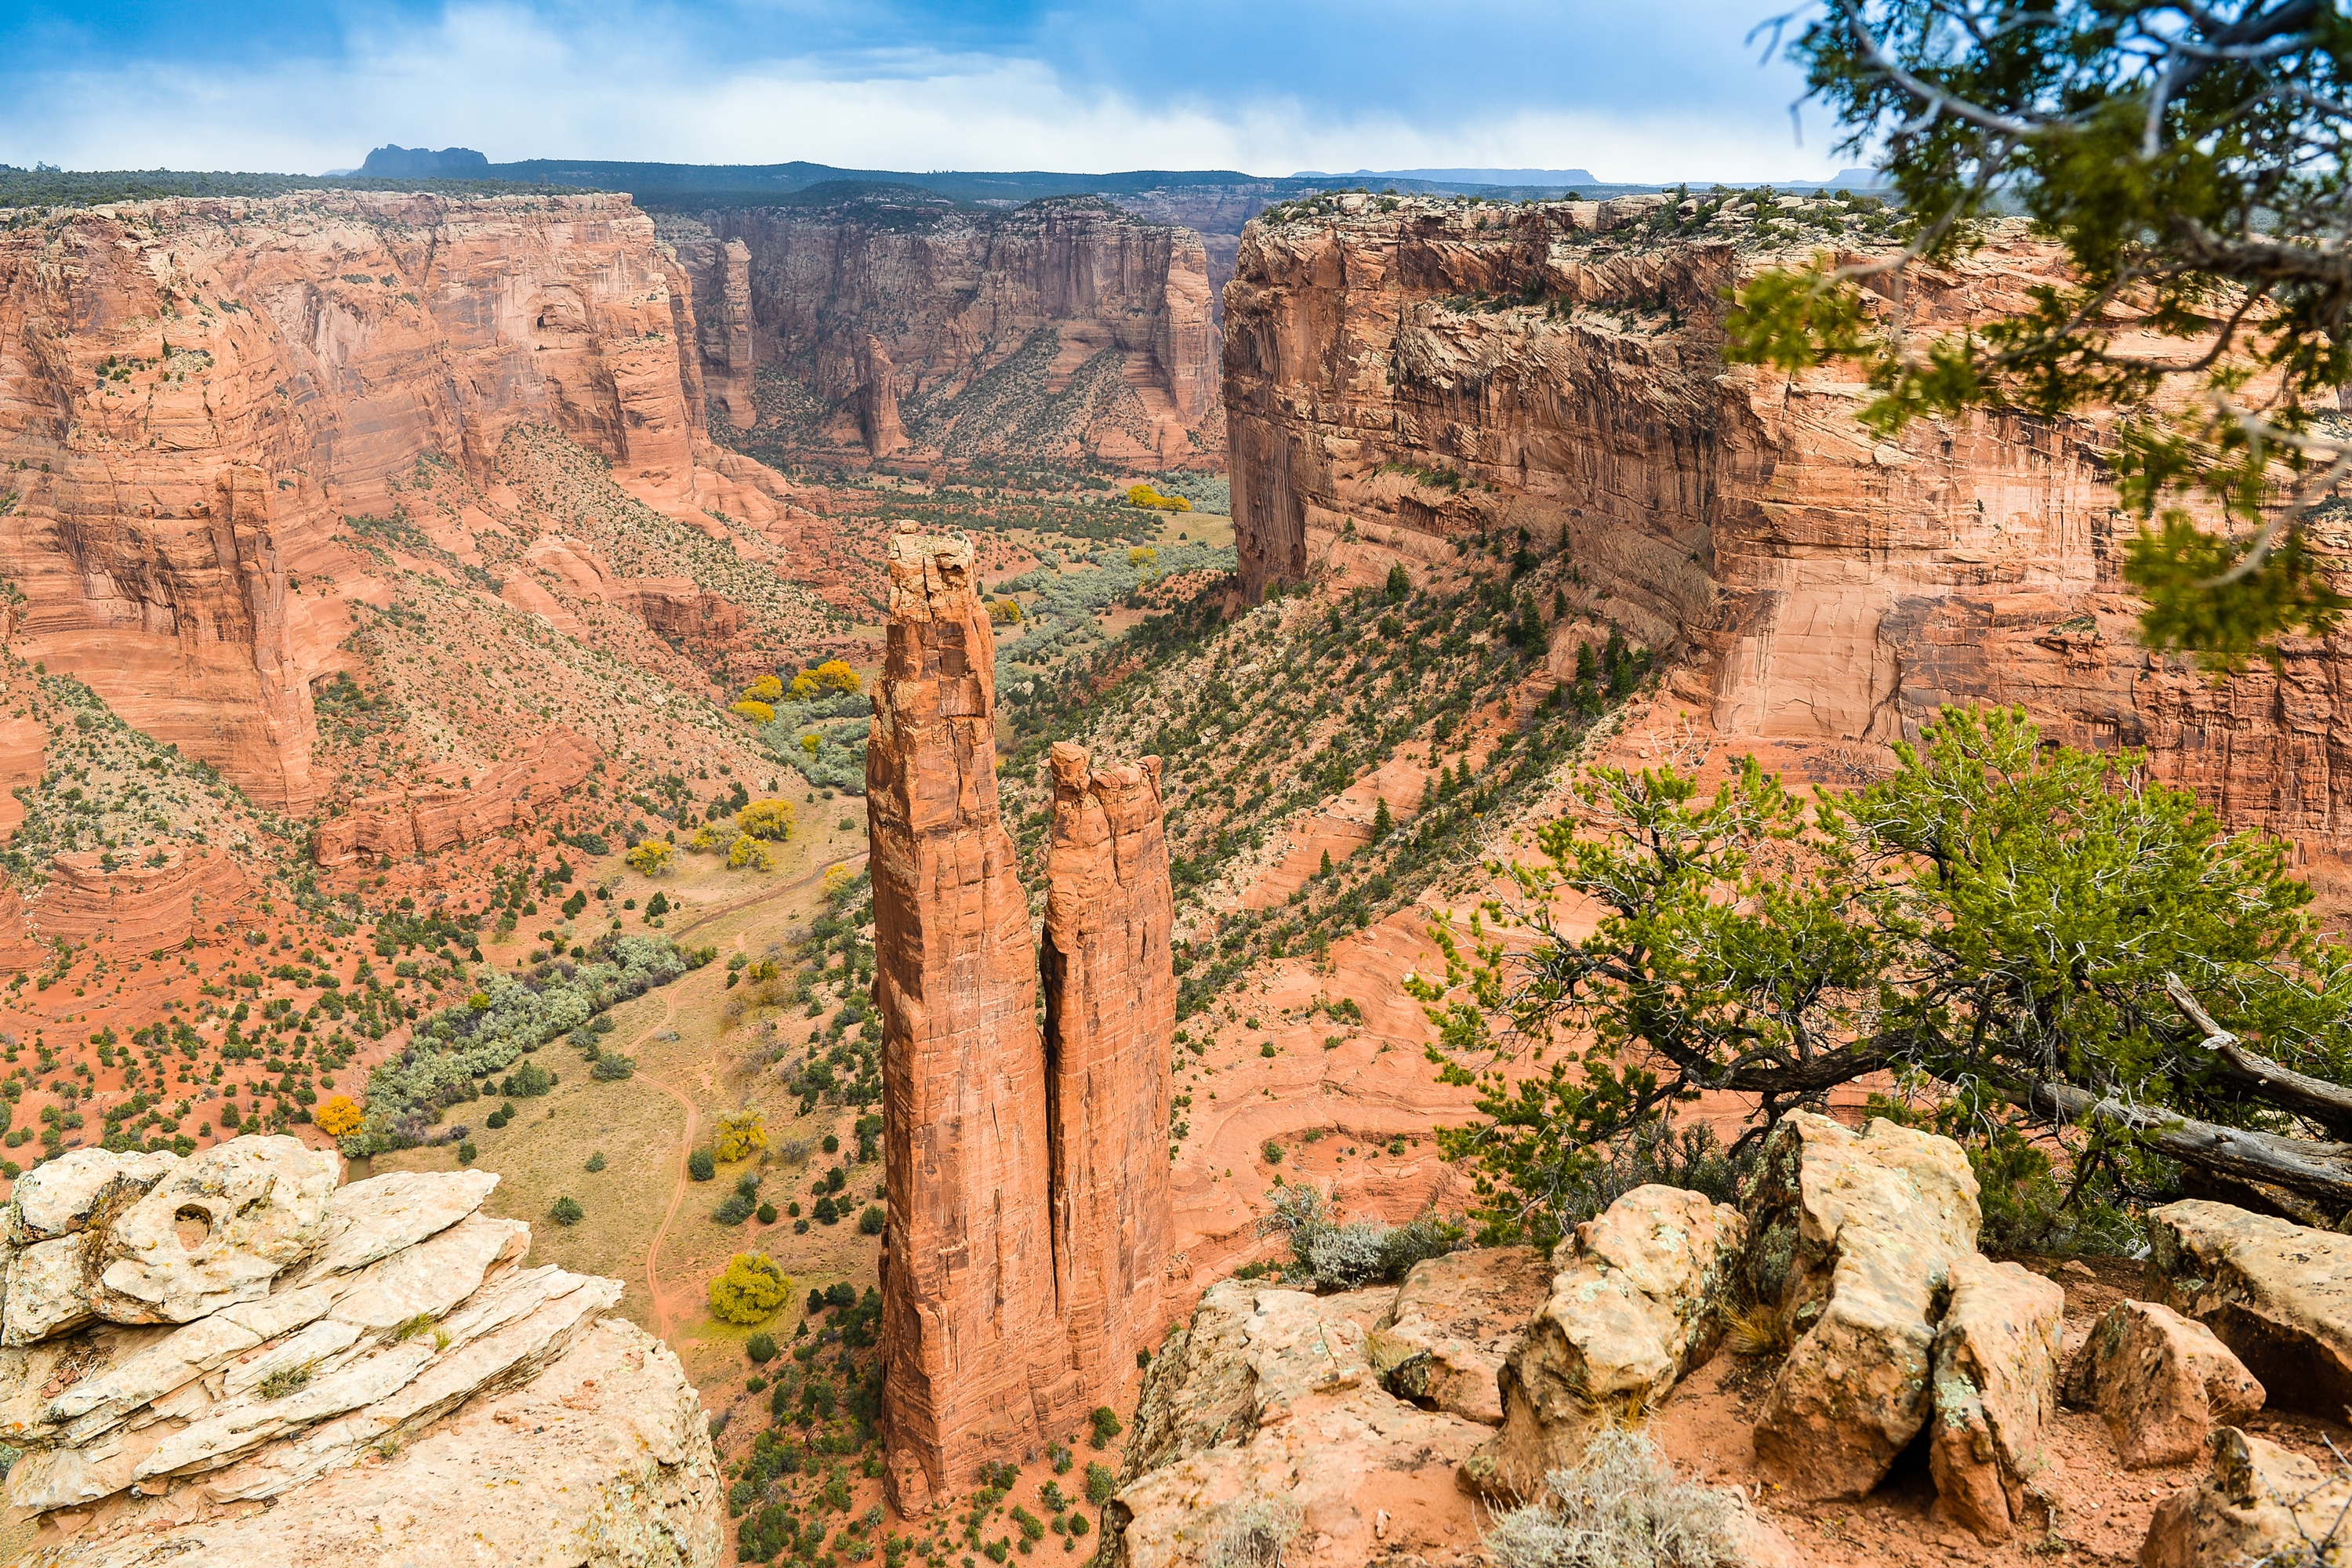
{"x":971,"y":1341}
{"x":1872,"y":1226}
{"x":1996,"y":1394}
{"x":934,"y":333}
{"x":1455,"y":1321}
{"x":424,"y":818}
{"x":286,"y":359}
{"x":1636,"y":1306}
{"x":1027,"y":1175}
{"x":2258,"y":1503}
{"x":1267,"y":1410}
{"x":2161,"y":1382}
{"x":2278,"y":1294}
{"x":1824,"y":583}
{"x":603,"y":1459}
{"x":359,"y":1359}
{"x":1110,"y":1022}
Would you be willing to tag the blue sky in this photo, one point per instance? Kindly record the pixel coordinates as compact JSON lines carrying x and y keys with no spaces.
{"x":1659,"y":90}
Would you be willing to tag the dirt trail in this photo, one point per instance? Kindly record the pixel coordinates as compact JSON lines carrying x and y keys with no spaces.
{"x":661,"y":1307}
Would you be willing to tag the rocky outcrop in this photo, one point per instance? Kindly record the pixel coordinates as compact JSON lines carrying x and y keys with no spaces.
{"x":169,"y":897}
{"x":1864,"y":1232}
{"x":1638,"y":1303}
{"x":1110,"y":1022}
{"x":2162,"y":1382}
{"x":194,"y":393}
{"x":1996,"y":1394}
{"x":1441,"y":372}
{"x":2278,"y":1294}
{"x":906,"y":325}
{"x":1267,"y":1414}
{"x":1456,"y":1319}
{"x":233,"y":1358}
{"x":1027,"y":1173}
{"x":2257,"y":1503}
{"x":971,"y":1347}
{"x":424,"y":818}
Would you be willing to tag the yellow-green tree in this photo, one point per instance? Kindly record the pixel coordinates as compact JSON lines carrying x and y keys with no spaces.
{"x":651,"y":856}
{"x":741,"y":1134}
{"x":767,"y":689}
{"x":767,"y":819}
{"x":811,"y":743}
{"x":706,"y":840}
{"x":833,"y":675}
{"x":339,"y":1116}
{"x":758,"y":712}
{"x":749,"y":851}
{"x":751,"y":1289}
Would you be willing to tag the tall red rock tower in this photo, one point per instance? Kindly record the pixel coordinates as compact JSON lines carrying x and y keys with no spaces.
{"x":1110,"y":1020}
{"x":1028,"y":1176}
{"x":971,"y":1343}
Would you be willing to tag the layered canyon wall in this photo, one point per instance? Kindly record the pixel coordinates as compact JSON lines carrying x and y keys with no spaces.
{"x":905,"y":326}
{"x":194,"y":394}
{"x":1443,"y":371}
{"x":1026,"y":1174}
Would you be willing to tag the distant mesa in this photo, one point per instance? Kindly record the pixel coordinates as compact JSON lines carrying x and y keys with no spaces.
{"x":463,"y":162}
{"x":1465,"y":177}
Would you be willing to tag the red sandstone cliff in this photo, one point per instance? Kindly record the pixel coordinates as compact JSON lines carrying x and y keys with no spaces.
{"x":194,"y":393}
{"x":1110,"y":1022}
{"x":426,"y":818}
{"x":969,"y":1349}
{"x":1062,"y":329}
{"x":1380,"y":371}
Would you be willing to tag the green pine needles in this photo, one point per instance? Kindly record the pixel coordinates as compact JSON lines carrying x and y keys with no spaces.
{"x":1995,"y":924}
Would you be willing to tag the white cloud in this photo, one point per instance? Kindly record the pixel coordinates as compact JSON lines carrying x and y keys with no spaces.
{"x":513,"y":86}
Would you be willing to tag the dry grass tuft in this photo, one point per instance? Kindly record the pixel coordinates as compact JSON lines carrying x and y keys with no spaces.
{"x":1618,"y":1507}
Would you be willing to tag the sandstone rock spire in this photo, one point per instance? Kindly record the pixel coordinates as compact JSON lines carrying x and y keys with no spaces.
{"x":1110,"y":1018}
{"x":970,"y":1331}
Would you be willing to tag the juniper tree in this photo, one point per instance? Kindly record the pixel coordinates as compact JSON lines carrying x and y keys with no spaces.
{"x":2035,"y":936}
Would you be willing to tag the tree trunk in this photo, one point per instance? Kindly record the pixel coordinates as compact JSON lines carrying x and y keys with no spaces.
{"x":2321,"y":1172}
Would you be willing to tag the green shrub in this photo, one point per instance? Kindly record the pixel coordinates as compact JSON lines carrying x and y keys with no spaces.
{"x":735,"y":1210}
{"x":1106,"y":1424}
{"x":1101,"y":1482}
{"x":873,"y":1220}
{"x":760,"y":1347}
{"x":702,"y":1165}
{"x":767,"y":1213}
{"x":597,"y":1161}
{"x":750,"y":1291}
{"x":567,"y":1211}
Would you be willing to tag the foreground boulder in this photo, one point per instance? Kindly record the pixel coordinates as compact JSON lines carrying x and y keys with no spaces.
{"x":2278,"y":1294}
{"x":1857,"y":1237}
{"x":265,"y":1364}
{"x":1267,"y":1433}
{"x":2258,"y":1503}
{"x":2161,"y":1382}
{"x":1638,"y":1304}
{"x":1454,"y":1322}
{"x":1996,"y":1394}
